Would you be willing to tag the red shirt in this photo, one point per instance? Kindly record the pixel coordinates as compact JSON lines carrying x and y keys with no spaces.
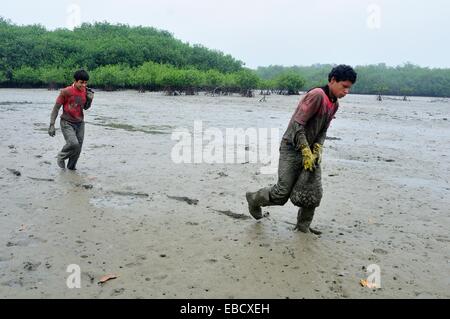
{"x":73,"y":101}
{"x":316,"y":103}
{"x":315,"y":112}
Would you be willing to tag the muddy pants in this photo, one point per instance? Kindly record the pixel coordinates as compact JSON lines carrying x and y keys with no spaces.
{"x":74,"y":136}
{"x":289,"y":167}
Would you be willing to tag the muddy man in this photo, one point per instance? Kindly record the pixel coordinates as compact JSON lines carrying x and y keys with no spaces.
{"x":74,"y":100}
{"x":301,"y":147}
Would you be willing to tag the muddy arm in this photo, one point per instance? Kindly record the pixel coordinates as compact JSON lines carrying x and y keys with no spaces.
{"x":89,"y":98}
{"x":322,"y":136}
{"x":299,"y":136}
{"x":54,"y":114}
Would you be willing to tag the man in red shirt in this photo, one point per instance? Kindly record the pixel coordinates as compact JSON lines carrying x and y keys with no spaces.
{"x":301,"y":148}
{"x":74,"y":99}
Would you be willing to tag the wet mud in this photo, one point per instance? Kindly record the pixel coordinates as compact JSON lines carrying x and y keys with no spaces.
{"x":169,"y":230}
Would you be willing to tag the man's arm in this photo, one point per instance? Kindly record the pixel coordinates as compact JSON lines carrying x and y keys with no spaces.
{"x":322,"y":136}
{"x":60,"y":100}
{"x":318,"y":145}
{"x":299,"y":136}
{"x":89,"y":98}
{"x":307,"y":108}
{"x":301,"y":143}
{"x":320,"y":140}
{"x":53,"y":116}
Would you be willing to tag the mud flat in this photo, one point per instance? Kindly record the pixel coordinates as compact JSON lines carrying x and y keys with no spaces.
{"x":171,"y":230}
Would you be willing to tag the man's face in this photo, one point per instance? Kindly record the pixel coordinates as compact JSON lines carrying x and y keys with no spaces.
{"x":341,"y":88}
{"x":80,"y":84}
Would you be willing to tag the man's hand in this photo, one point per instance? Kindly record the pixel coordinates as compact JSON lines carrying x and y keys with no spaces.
{"x":317,"y":152}
{"x":308,"y":158}
{"x":89,"y":98}
{"x":90,"y":93}
{"x":52,"y":130}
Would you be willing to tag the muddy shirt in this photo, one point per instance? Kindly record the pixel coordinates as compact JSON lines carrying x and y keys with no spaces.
{"x":314,"y":112}
{"x":73,"y":102}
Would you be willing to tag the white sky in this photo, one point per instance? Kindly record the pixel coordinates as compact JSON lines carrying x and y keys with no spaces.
{"x":264,"y":32}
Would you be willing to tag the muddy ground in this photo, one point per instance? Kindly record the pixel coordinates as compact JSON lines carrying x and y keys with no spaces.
{"x":182,"y":230}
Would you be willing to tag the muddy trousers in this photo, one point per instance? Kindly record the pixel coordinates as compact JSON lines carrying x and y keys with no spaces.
{"x":74,"y":136}
{"x":289,"y":168}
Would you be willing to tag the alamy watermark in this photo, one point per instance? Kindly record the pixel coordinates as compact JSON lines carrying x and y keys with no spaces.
{"x":73,"y":12}
{"x":74,"y":279}
{"x":374,"y":16}
{"x":229,"y":146}
{"x":373,"y":280}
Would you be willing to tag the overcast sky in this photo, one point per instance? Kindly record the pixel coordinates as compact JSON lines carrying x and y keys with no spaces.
{"x":264,"y":32}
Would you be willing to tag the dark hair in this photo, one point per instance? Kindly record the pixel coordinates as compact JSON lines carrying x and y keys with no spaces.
{"x":81,"y":75}
{"x":343,"y":72}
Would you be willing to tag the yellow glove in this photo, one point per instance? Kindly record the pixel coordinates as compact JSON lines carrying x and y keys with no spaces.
{"x":308,"y":158}
{"x":317,"y":152}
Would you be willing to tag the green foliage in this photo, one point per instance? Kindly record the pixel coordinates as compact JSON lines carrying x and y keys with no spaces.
{"x":111,"y":77}
{"x":246,"y":79}
{"x":213,"y":79}
{"x":267,"y":84}
{"x":407,"y":79}
{"x":101,"y":44}
{"x":290,"y":82}
{"x":119,"y":56}
{"x":3,"y":77}
{"x":230,"y":82}
{"x":54,"y":76}
{"x":147,"y":75}
{"x":27,"y":76}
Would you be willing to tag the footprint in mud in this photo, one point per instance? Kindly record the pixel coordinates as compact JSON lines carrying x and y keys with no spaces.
{"x":289,"y":251}
{"x":443,"y":239}
{"x":14,"y":171}
{"x":23,"y":241}
{"x":222,"y":174}
{"x":117,"y":292}
{"x":13,"y":283}
{"x":161,"y":277}
{"x":85,"y":186}
{"x":380,"y":251}
{"x":117,"y":199}
{"x":192,"y":223}
{"x":31,"y":266}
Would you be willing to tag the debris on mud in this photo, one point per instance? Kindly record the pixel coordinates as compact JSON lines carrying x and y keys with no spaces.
{"x":188,"y":200}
